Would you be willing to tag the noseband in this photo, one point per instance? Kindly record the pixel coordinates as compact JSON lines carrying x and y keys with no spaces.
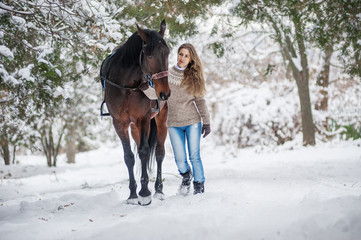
{"x":150,"y":77}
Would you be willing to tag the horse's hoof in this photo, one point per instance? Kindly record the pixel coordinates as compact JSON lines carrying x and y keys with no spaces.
{"x":132,"y":201}
{"x":144,"y":201}
{"x":159,"y":196}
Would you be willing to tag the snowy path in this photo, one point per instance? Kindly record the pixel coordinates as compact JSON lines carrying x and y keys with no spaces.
{"x":307,"y":193}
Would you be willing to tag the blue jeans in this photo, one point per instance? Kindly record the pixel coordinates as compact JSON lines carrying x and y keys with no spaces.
{"x":178,"y":137}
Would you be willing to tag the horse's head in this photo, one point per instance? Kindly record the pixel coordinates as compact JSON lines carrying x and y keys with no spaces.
{"x":154,"y":61}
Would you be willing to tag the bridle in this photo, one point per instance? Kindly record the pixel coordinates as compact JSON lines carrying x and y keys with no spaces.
{"x":148,"y":76}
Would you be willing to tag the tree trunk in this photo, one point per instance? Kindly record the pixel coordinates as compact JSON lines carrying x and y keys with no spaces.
{"x":302,"y":80}
{"x":50,"y":149}
{"x":70,"y":145}
{"x":323,"y":79}
{"x":14,"y":152}
{"x":308,"y":128}
{"x":57,"y":148}
{"x":5,"y":151}
{"x":301,"y":77}
{"x":46,"y":139}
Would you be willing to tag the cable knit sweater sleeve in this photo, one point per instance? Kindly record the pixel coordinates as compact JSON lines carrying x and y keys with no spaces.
{"x":202,"y":109}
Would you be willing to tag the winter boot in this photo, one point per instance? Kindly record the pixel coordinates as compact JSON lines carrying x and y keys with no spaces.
{"x":198,"y":187}
{"x":186,"y":183}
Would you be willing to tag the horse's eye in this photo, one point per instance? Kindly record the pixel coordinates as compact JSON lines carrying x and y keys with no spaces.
{"x":150,"y":56}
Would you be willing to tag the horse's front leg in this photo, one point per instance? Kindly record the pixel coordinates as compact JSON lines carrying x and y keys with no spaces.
{"x":161,"y":120}
{"x":145,"y":196}
{"x":123,"y":134}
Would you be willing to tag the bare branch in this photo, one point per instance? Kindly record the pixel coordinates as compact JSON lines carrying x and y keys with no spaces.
{"x":8,"y":100}
{"x":9,"y":9}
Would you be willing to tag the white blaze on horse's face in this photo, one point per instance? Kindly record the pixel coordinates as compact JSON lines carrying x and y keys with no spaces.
{"x":184,"y":57}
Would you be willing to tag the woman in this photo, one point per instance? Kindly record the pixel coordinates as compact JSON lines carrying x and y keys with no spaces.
{"x":187,"y":110}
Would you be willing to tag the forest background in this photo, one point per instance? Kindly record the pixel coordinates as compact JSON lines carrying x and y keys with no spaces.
{"x":278,"y":72}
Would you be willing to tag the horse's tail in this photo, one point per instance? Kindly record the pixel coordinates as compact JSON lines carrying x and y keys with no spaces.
{"x":152,"y":143}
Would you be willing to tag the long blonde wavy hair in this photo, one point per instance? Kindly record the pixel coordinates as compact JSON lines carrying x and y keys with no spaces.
{"x":193,"y":79}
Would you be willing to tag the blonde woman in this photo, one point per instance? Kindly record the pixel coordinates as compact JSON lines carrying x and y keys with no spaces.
{"x":188,"y":116}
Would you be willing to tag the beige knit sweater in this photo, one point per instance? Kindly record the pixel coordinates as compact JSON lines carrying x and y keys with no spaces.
{"x":183,"y":108}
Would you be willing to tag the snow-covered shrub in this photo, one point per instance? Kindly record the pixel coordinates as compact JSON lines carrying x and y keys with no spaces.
{"x":343,"y":117}
{"x":255,"y":115}
{"x":268,"y":113}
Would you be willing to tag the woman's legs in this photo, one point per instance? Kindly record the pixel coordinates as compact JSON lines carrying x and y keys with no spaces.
{"x":177,"y":138}
{"x":193,"y":134}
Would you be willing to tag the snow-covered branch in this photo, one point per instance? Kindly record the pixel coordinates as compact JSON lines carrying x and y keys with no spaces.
{"x":9,"y":9}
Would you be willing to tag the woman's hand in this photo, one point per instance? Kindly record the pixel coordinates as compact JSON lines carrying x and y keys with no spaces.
{"x":206,"y":129}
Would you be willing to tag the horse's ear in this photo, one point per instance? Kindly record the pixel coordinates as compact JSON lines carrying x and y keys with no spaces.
{"x":143,"y":35}
{"x":162,"y":28}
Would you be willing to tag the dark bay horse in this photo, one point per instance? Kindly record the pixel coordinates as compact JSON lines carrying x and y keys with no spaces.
{"x":143,"y":57}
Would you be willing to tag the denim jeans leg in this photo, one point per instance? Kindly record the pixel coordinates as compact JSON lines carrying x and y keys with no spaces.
{"x":177,"y":139}
{"x":193,"y":133}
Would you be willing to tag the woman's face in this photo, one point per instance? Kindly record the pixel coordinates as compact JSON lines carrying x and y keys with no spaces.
{"x":184,"y":57}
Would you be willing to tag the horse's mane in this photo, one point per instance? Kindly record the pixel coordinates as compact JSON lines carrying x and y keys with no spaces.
{"x":128,"y":53}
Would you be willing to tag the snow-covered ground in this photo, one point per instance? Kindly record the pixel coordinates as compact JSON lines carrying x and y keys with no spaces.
{"x":304,"y":193}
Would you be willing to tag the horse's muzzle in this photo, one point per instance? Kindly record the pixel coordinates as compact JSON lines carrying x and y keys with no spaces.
{"x":164,"y":96}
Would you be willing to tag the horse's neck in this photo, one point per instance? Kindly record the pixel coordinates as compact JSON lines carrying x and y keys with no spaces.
{"x":130,"y":76}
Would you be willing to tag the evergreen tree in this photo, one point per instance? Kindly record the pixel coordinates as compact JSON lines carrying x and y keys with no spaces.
{"x":46,"y":50}
{"x":30,"y":70}
{"x":336,"y":25}
{"x":300,"y":25}
{"x":288,"y":19}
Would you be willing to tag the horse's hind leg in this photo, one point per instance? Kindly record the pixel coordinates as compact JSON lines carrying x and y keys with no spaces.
{"x":129,"y":160}
{"x":161,"y":120}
